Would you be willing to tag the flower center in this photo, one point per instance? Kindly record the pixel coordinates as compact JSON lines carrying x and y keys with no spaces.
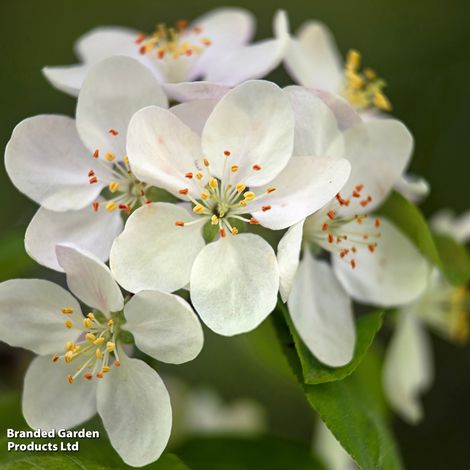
{"x":173,"y":42}
{"x":345,"y":235}
{"x":220,"y":200}
{"x":95,"y":352}
{"x":363,"y":89}
{"x":124,"y":191}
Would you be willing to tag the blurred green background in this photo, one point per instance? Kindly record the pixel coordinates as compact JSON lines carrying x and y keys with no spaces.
{"x":422,"y":48}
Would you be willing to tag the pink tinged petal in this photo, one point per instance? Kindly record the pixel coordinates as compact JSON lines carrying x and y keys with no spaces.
{"x":112,"y":92}
{"x":31,"y":315}
{"x":234,"y":283}
{"x":194,"y":113}
{"x":256,"y":125}
{"x":164,"y":326}
{"x":288,"y":256}
{"x":379,"y":152}
{"x":313,"y":59}
{"x":162,"y":150}
{"x":303,"y":187}
{"x":47,"y":161}
{"x":322,"y":312}
{"x":92,"y":231}
{"x":394,"y":274}
{"x":408,"y":367}
{"x":153,"y":252}
{"x":189,"y":91}
{"x":136,"y":411}
{"x":315,"y":124}
{"x":50,"y":402}
{"x":90,"y":279}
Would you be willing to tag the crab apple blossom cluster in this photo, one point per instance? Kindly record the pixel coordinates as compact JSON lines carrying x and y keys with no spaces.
{"x":239,"y":193}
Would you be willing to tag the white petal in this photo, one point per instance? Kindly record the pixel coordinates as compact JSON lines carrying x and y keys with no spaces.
{"x":414,"y":188}
{"x":112,"y":92}
{"x":408,"y":367}
{"x":152,"y":252}
{"x":315,"y":124}
{"x":303,"y":187}
{"x":322,"y":312}
{"x":50,"y":402}
{"x":255,"y":123}
{"x":447,"y":223}
{"x":395,"y":274}
{"x":136,"y":411}
{"x":194,"y":113}
{"x":47,"y":161}
{"x":188,"y":91}
{"x":92,"y":231}
{"x":234,"y":283}
{"x":247,"y":63}
{"x":313,"y":59}
{"x":89,"y":279}
{"x":164,"y":326}
{"x":288,"y":255}
{"x":162,"y":149}
{"x":31,"y":315}
{"x":68,"y":79}
{"x":379,"y":152}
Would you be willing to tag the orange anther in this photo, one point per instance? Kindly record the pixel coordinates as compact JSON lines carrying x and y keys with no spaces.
{"x":227,"y":153}
{"x":270,"y":190}
{"x":265,"y":208}
{"x":353,"y":263}
{"x":88,"y":376}
{"x":96,"y":206}
{"x":331,"y":238}
{"x":139,"y":38}
{"x":222,"y":232}
{"x":331,"y":214}
{"x":254,"y":221}
{"x":142,"y":50}
{"x":96,"y":153}
{"x":354,"y":249}
{"x":356,"y":194}
{"x":256,"y":168}
{"x":188,"y":175}
{"x":161,"y":54}
{"x":324,"y":227}
{"x":117,"y":363}
{"x":125,"y":208}
{"x":372,"y":247}
{"x":113,"y":132}
{"x":93,"y":180}
{"x":184,"y":191}
{"x":99,"y":375}
{"x":179,"y":223}
{"x":359,"y":187}
{"x":377,"y":223}
{"x":182,"y":24}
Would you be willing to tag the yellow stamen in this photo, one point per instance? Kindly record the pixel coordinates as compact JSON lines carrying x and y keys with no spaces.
{"x":110,"y":346}
{"x":249,"y":195}
{"x":98,"y":341}
{"x":111,"y":206}
{"x":213,"y":183}
{"x":67,"y":310}
{"x":214,"y":220}
{"x":240,"y":187}
{"x":90,"y":337}
{"x":99,"y":354}
{"x":87,"y":323}
{"x":204,"y":195}
{"x":110,"y":156}
{"x":199,"y":175}
{"x":113,"y":186}
{"x":234,"y":168}
{"x":198,"y":209}
{"x":68,"y":324}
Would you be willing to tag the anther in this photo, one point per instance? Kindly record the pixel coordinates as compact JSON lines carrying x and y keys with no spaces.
{"x":98,"y":341}
{"x":110,"y":346}
{"x":324,"y":227}
{"x":117,"y":363}
{"x":227,"y":153}
{"x":377,"y":223}
{"x":88,"y":376}
{"x":199,"y":175}
{"x":96,"y":153}
{"x":270,"y":190}
{"x":70,"y":379}
{"x":240,"y":187}
{"x":179,"y":223}
{"x":188,"y":175}
{"x":331,"y":214}
{"x":213,"y":183}
{"x":198,"y":209}
{"x":222,"y":232}
{"x":68,"y":324}
{"x":204,"y":195}
{"x":254,"y":221}
{"x":127,"y":208}
{"x":249,"y":195}
{"x":90,"y":337}
{"x":113,"y":186}
{"x":67,"y":310}
{"x":214,"y":220}
{"x":95,"y":205}
{"x":265,"y":208}
{"x":234,"y":230}
{"x":206,"y":162}
{"x":331,"y":238}
{"x":111,"y":206}
{"x":139,"y":38}
{"x":113,"y":132}
{"x":184,"y":191}
{"x":110,"y":156}
{"x":256,"y":168}
{"x":87,"y":323}
{"x":234,"y":168}
{"x":99,"y":375}
{"x":98,"y":354}
{"x":55,"y":358}
{"x":353,"y":264}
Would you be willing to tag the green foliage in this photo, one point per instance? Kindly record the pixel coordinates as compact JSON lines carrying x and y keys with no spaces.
{"x":244,"y":453}
{"x":313,"y":371}
{"x":455,"y":259}
{"x":409,"y":219}
{"x":13,"y":258}
{"x":65,"y":462}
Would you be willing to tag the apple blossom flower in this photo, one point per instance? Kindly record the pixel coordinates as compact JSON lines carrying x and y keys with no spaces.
{"x":64,"y":164}
{"x":371,"y":261}
{"x":408,"y":367}
{"x":215,"y":48}
{"x":313,"y":60}
{"x":239,"y":172}
{"x":82,"y":365}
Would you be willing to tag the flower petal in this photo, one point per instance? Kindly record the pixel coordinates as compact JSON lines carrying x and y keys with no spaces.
{"x":91,"y":231}
{"x":288,"y":257}
{"x":164,"y":326}
{"x":414,"y":188}
{"x":322,"y":312}
{"x":194,"y":113}
{"x":379,"y":152}
{"x":255,"y":123}
{"x":162,"y":149}
{"x":188,"y":91}
{"x":447,"y":223}
{"x":31,"y":315}
{"x":136,"y":411}
{"x":47,"y":161}
{"x":68,"y":79}
{"x":303,"y":187}
{"x":106,"y":103}
{"x":313,"y":59}
{"x":50,"y":402}
{"x":315,"y":124}
{"x":408,"y":367}
{"x":395,"y":274}
{"x":154,"y":253}
{"x":89,"y":279}
{"x":234,"y":283}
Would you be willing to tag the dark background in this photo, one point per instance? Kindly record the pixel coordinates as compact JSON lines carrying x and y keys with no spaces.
{"x":422,"y":48}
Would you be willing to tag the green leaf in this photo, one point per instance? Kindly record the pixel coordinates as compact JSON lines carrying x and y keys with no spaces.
{"x":313,"y":371}
{"x":244,"y":453}
{"x":13,"y":258}
{"x":409,"y":219}
{"x":50,"y":463}
{"x":455,"y":259}
{"x":353,"y":412}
